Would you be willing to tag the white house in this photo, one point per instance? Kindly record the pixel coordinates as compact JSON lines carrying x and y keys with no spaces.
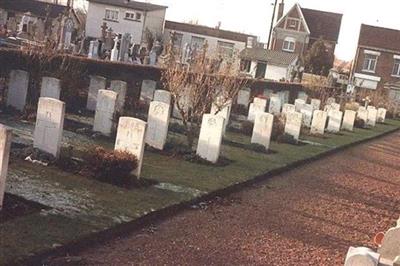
{"x":220,"y":42}
{"x":267,"y":64}
{"x":125,"y":16}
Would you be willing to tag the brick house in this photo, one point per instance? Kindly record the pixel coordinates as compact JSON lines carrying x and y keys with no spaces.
{"x":299,"y":28}
{"x":377,"y":62}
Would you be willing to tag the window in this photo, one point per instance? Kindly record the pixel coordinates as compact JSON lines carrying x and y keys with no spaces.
{"x":138,"y":16}
{"x":245,"y":66}
{"x":370,"y":61}
{"x":111,"y":15}
{"x":289,"y":44}
{"x":396,"y":68}
{"x":292,"y":24}
{"x":197,"y":43}
{"x":130,"y":15}
{"x":225,"y":49}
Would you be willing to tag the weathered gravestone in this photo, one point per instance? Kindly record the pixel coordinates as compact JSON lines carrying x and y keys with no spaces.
{"x":158,"y":121}
{"x":17,"y":89}
{"x":362,"y":114}
{"x":390,"y":247}
{"x":381,"y":116}
{"x":372,"y":115}
{"x":316,"y":103}
{"x":303,"y":96}
{"x":225,"y":112}
{"x":96,"y":83}
{"x":361,"y":257}
{"x":210,"y":138}
{"x":287,"y":108}
{"x":105,"y":111}
{"x":131,"y":138}
{"x":253,"y":110}
{"x":330,"y":100}
{"x":307,"y":112}
{"x":51,"y":88}
{"x":162,"y":96}
{"x":275,"y":105}
{"x":284,"y":96}
{"x":49,"y":126}
{"x":94,"y":49}
{"x":5,"y":147}
{"x":348,"y":120}
{"x":243,"y":97}
{"x":318,"y":122}
{"x":335,"y":121}
{"x":293,"y":124}
{"x":262,"y":129}
{"x":120,"y":88}
{"x":147,"y":91}
{"x":298,"y":103}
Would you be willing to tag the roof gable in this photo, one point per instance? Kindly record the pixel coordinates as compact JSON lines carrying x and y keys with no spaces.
{"x":295,"y":12}
{"x":379,"y":37}
{"x":142,"y":6}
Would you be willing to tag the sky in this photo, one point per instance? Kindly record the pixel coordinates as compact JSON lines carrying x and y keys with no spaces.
{"x":254,"y":16}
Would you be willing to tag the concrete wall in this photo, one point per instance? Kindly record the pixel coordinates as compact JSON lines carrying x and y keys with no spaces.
{"x":276,"y":72}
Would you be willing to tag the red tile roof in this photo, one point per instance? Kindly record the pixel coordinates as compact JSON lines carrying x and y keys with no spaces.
{"x":379,"y":37}
{"x":323,"y":24}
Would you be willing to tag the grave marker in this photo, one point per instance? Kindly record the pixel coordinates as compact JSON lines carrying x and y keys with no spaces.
{"x":147,"y":91}
{"x":348,"y":120}
{"x":319,"y":122}
{"x":262,"y":129}
{"x":49,"y":126}
{"x":307,"y":112}
{"x":361,"y":257}
{"x":303,"y":96}
{"x":96,"y":83}
{"x":120,"y":88}
{"x":158,"y":121}
{"x":288,"y":108}
{"x":5,"y":147}
{"x":50,"y":88}
{"x":253,"y":110}
{"x":316,"y":104}
{"x":381,"y":116}
{"x":105,"y":111}
{"x":275,"y":105}
{"x":335,"y":121}
{"x":131,"y":138}
{"x":293,"y":124}
{"x":362,"y":114}
{"x":390,"y":247}
{"x":243,"y":97}
{"x":210,"y":138}
{"x":372,"y":115}
{"x":298,"y":103}
{"x":17,"y":89}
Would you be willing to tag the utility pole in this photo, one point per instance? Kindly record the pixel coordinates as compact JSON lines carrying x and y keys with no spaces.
{"x":272,"y":24}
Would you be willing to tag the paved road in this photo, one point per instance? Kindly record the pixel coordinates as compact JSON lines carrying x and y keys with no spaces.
{"x":307,"y":216}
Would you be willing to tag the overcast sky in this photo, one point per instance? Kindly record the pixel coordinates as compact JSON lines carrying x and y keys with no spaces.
{"x":254,"y":16}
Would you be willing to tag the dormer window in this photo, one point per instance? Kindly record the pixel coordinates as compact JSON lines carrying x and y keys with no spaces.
{"x":289,"y":44}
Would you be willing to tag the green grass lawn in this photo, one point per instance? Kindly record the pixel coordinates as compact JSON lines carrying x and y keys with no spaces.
{"x":80,"y":206}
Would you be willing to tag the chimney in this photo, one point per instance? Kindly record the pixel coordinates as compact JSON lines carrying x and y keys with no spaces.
{"x":218,"y":25}
{"x":250,"y":42}
{"x":280,"y":10}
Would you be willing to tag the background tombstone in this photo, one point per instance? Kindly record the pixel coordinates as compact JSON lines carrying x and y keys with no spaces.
{"x":5,"y":147}
{"x":253,"y":110}
{"x":260,"y":102}
{"x":50,"y":88}
{"x":267,"y":93}
{"x":225,"y":112}
{"x":49,"y":126}
{"x":147,"y":91}
{"x":298,"y":103}
{"x":303,"y":96}
{"x":17,"y":89}
{"x":348,"y":120}
{"x":293,"y":124}
{"x":210,"y":138}
{"x":115,"y":52}
{"x":96,"y":83}
{"x":131,"y":138}
{"x":372,"y":115}
{"x":316,"y":103}
{"x":362,"y":114}
{"x":288,"y":108}
{"x":105,"y":111}
{"x":330,"y":100}
{"x":244,"y":97}
{"x":381,"y":116}
{"x":307,"y":112}
{"x":94,"y":49}
{"x":262,"y":129}
{"x":124,"y":48}
{"x":361,"y":257}
{"x":120,"y":88}
{"x":335,"y":121}
{"x":162,"y":96}
{"x":158,"y":121}
{"x":275,"y":105}
{"x":318,"y":122}
{"x":284,"y":96}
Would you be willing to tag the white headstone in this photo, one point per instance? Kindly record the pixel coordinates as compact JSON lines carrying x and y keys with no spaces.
{"x":260,"y":102}
{"x":303,"y":96}
{"x":381,"y":117}
{"x":298,"y":103}
{"x":348,"y":120}
{"x":131,"y":138}
{"x":293,"y":124}
{"x":361,"y":257}
{"x":18,"y":89}
{"x":210,"y":138}
{"x":284,"y":96}
{"x":105,"y":111}
{"x":243,"y":97}
{"x":96,"y":83}
{"x":162,"y":96}
{"x":335,"y":121}
{"x":288,"y":108}
{"x":372,"y":115}
{"x":316,"y":103}
{"x":49,"y":126}
{"x":225,"y":111}
{"x":275,"y":105}
{"x":147,"y":91}
{"x":120,"y":87}
{"x":262,"y":129}
{"x":319,"y":122}
{"x":51,"y":88}
{"x":362,"y":114}
{"x":94,"y":49}
{"x":307,"y":112}
{"x":253,"y":110}
{"x":5,"y":147}
{"x":330,"y":100}
{"x":390,"y":247}
{"x":158,"y":121}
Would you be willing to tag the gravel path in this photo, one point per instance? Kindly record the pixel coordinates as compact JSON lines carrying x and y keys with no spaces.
{"x":307,"y":216}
